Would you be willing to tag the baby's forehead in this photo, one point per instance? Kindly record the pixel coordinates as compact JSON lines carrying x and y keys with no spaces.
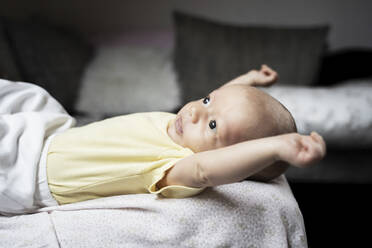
{"x":233,"y":99}
{"x":240,"y":91}
{"x":244,"y":111}
{"x":235,"y":124}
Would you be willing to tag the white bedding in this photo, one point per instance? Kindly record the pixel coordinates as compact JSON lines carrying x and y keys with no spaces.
{"x":236,"y":215}
{"x":245,"y":214}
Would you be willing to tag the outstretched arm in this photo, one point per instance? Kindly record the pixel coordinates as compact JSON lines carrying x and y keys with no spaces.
{"x":237,"y":162}
{"x":263,"y":77}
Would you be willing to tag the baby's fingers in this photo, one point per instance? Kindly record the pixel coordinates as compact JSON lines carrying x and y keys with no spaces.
{"x":319,"y":140}
{"x":265,"y":67}
{"x":266,"y":70}
{"x":312,"y":150}
{"x":270,"y":73}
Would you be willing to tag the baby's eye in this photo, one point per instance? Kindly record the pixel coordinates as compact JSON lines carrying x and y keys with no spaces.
{"x":206,"y":100}
{"x":212,"y":124}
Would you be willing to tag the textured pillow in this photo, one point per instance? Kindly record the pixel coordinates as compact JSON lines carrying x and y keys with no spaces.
{"x":208,"y":54}
{"x":8,"y":66}
{"x":125,"y":79}
{"x":50,"y":57}
{"x":342,"y":114}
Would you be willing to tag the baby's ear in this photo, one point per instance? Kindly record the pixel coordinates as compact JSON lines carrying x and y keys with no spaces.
{"x":270,"y":173}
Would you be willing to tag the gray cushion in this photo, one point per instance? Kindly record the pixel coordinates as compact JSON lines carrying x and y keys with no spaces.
{"x":50,"y":57}
{"x":208,"y":54}
{"x":8,"y":66}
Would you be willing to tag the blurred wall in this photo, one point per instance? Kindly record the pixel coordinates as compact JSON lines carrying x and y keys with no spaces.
{"x":350,"y":21}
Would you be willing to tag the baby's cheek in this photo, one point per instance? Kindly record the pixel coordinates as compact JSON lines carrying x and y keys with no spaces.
{"x":196,"y":144}
{"x":207,"y":145}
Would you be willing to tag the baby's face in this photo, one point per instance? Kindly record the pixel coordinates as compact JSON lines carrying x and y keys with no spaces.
{"x":225,"y":117}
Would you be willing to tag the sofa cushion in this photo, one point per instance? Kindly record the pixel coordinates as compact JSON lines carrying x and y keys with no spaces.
{"x":51,"y":57}
{"x":209,"y":53}
{"x":123,"y":79}
{"x":8,"y":65}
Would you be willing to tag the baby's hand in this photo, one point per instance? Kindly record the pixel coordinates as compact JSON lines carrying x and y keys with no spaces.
{"x":302,"y":150}
{"x":264,"y":77}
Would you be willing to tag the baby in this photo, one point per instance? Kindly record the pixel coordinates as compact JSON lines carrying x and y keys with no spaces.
{"x":227,"y":131}
{"x":237,"y":132}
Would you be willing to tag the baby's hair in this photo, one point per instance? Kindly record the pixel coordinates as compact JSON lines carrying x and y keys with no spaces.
{"x":292,"y":127}
{"x":280,"y":122}
{"x":277,"y":117}
{"x":283,"y":121}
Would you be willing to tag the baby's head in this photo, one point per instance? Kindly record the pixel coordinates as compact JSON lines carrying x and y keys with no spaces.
{"x":229,"y":115}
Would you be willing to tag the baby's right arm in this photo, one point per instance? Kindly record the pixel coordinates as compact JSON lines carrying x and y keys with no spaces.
{"x":236,"y":162}
{"x":263,"y":77}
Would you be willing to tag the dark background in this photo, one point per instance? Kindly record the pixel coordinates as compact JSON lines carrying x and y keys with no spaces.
{"x":350,"y":20}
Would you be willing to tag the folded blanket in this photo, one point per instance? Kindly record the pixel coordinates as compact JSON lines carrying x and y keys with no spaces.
{"x":244,"y":214}
{"x":28,"y":116}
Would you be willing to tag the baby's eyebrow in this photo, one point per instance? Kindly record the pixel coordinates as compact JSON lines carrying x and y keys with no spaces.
{"x":212,"y":95}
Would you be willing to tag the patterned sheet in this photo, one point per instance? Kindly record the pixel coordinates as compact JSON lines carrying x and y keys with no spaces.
{"x":244,"y":214}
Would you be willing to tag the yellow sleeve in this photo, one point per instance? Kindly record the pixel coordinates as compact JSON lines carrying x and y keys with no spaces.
{"x":171,"y":191}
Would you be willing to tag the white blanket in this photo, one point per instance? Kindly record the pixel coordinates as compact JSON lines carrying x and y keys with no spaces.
{"x":28,"y":116}
{"x":245,"y":214}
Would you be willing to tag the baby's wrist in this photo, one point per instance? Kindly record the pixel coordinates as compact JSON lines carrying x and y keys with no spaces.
{"x":278,"y":148}
{"x":283,"y":147}
{"x":251,"y":76}
{"x":275,"y":146}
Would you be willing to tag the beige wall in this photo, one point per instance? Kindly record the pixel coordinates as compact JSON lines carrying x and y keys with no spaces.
{"x":351,"y":21}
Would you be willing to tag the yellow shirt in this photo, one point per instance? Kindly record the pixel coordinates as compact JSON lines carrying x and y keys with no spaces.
{"x":121,"y":155}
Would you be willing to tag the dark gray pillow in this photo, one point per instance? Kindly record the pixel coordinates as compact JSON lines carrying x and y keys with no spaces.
{"x":51,"y":57}
{"x":8,"y":66}
{"x":208,"y":54}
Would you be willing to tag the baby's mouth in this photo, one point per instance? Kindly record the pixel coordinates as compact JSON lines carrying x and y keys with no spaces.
{"x":178,"y":124}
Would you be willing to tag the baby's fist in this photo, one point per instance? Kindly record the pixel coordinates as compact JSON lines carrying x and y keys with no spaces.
{"x":264,"y":77}
{"x":302,"y":150}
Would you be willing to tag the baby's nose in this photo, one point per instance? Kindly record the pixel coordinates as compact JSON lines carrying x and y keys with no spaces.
{"x":195,"y":114}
